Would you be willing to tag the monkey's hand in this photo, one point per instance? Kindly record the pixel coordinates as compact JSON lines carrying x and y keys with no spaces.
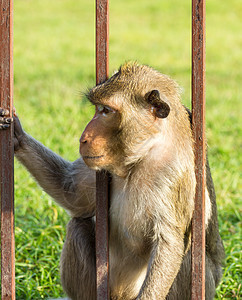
{"x":5,"y":122}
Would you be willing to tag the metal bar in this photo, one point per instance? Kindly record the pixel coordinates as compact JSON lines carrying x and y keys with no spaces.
{"x":198,"y":123}
{"x":102,"y":254}
{"x":7,"y":153}
{"x":102,"y":178}
{"x":102,"y":40}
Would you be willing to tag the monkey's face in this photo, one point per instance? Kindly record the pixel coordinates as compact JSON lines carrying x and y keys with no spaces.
{"x":99,"y":144}
{"x":129,"y":118}
{"x":121,"y":132}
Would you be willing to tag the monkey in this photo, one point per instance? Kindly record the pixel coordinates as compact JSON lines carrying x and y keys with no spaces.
{"x":141,"y":134}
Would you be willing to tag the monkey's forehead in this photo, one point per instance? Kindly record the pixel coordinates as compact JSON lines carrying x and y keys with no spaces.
{"x":131,"y":77}
{"x":118,"y":87}
{"x":130,"y":84}
{"x":104,"y":96}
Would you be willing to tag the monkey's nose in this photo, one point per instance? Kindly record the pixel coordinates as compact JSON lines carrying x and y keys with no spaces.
{"x":84,"y":138}
{"x":83,"y":141}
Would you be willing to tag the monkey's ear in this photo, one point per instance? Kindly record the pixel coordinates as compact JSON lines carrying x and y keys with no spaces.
{"x":160,"y":108}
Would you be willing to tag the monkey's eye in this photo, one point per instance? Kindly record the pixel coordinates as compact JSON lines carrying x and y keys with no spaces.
{"x":104,"y":110}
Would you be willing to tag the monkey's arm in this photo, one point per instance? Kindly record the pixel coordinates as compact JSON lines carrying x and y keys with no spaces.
{"x":72,"y":185}
{"x":164,"y":264}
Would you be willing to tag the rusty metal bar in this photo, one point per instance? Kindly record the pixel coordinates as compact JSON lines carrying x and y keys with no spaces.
{"x":198,"y":123}
{"x":102,"y":178}
{"x":7,"y":153}
{"x":102,"y":40}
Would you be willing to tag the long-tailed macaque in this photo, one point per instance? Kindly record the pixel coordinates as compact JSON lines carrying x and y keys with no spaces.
{"x":141,"y":134}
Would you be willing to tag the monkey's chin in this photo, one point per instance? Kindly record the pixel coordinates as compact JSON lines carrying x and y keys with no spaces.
{"x":98,"y":163}
{"x":94,"y":162}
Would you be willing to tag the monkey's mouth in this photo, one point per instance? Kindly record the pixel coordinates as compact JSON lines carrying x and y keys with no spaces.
{"x":93,"y":157}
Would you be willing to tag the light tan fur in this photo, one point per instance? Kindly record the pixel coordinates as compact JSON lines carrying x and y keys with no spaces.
{"x":141,"y":134}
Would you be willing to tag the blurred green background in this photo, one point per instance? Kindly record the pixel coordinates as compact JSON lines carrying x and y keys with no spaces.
{"x":54,"y":63}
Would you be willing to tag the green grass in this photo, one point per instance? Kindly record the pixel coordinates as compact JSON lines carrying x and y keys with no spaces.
{"x":54,"y":61}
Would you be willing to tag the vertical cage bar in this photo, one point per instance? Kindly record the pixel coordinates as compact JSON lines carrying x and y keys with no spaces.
{"x":198,"y":123}
{"x":7,"y":153}
{"x":102,"y":178}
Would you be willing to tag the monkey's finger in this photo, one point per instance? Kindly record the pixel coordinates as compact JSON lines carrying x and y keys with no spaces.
{"x":6,"y":120}
{"x":4,"y":112}
{"x":4,"y":126}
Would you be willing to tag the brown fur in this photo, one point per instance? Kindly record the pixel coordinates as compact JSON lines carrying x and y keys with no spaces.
{"x":143,"y":137}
